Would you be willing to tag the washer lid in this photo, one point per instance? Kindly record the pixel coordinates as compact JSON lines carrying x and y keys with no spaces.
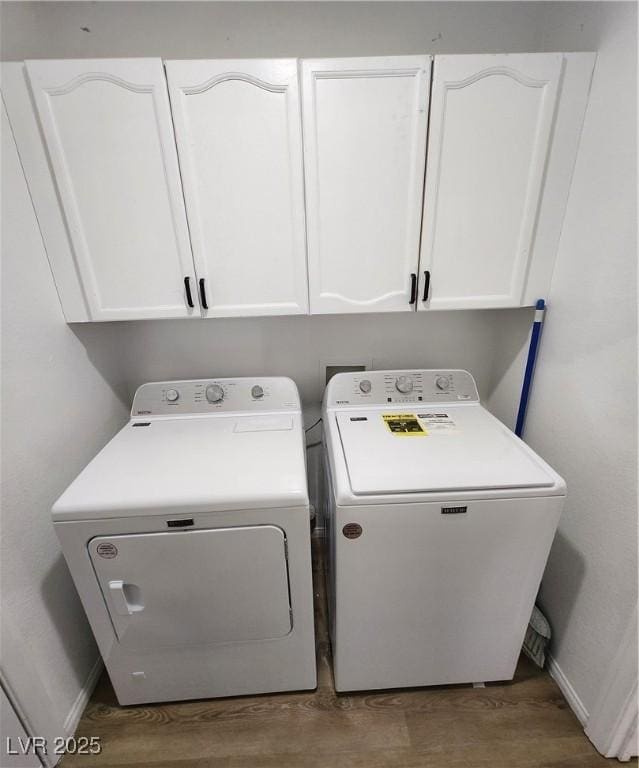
{"x":434,"y":448}
{"x":183,"y":465}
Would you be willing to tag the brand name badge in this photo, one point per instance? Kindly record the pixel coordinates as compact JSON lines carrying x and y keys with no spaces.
{"x":352,"y":530}
{"x":454,"y":510}
{"x":107,"y":550}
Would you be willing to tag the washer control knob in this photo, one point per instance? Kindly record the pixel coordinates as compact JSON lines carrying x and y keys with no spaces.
{"x":214,"y":393}
{"x":442,"y":382}
{"x":257,"y":392}
{"x":404,"y":384}
{"x":172,"y":395}
{"x":365,"y":386}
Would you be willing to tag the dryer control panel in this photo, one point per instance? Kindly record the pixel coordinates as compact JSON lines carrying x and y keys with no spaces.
{"x":251,"y":394}
{"x":406,"y":386}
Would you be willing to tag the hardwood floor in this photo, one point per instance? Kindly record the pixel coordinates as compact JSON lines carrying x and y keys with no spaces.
{"x":522,"y":724}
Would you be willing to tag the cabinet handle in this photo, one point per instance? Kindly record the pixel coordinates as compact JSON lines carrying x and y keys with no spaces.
{"x":413,"y":288}
{"x":203,"y":294}
{"x":187,"y":288}
{"x":426,"y":285}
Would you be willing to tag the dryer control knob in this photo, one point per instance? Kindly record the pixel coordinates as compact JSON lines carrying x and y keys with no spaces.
{"x":172,"y":395}
{"x":404,"y":384}
{"x":441,"y":382}
{"x":365,"y":386}
{"x":257,"y":392}
{"x":214,"y":393}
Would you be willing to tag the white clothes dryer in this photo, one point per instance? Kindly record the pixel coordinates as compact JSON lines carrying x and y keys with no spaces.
{"x":188,"y":540}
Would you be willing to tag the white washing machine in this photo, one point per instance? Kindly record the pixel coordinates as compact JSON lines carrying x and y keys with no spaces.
{"x":439,"y":524}
{"x":188,"y":540}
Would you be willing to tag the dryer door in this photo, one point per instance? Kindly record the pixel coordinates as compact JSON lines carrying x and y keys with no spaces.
{"x":194,"y":587}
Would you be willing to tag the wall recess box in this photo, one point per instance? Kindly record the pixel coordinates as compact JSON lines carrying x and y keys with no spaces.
{"x":329,"y":366}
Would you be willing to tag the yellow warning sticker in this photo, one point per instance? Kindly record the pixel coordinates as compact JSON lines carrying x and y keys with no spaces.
{"x":404,"y":424}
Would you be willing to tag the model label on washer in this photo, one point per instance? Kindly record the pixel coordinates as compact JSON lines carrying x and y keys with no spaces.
{"x":107,"y":550}
{"x":404,"y":424}
{"x":352,"y":530}
{"x":438,"y":423}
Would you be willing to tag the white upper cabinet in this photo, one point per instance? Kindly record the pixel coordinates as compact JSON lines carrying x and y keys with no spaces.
{"x":490,"y":132}
{"x":107,"y":128}
{"x":238,"y":130}
{"x":365,"y":123}
{"x":245,"y":188}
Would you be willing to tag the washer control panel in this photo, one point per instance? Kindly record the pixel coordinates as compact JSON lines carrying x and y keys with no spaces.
{"x":215,"y":395}
{"x":416,"y":386}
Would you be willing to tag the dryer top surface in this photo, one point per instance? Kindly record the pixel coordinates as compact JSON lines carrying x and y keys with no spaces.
{"x":189,"y":464}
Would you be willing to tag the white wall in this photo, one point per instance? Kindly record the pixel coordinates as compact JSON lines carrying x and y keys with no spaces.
{"x":582,"y":415}
{"x":295,"y":346}
{"x":60,"y":403}
{"x":230,"y":29}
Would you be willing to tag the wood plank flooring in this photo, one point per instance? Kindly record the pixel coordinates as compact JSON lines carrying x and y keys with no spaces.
{"x":522,"y":724}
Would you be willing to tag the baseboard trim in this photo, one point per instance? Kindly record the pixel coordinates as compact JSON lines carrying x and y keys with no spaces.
{"x":82,"y":699}
{"x":565,"y":686}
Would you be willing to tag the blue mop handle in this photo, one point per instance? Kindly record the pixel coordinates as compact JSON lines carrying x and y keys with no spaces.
{"x":540,"y":308}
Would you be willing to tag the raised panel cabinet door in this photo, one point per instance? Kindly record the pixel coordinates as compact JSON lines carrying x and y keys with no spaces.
{"x":365,"y":123}
{"x":239,"y":138}
{"x":107,"y":127}
{"x":490,"y":131}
